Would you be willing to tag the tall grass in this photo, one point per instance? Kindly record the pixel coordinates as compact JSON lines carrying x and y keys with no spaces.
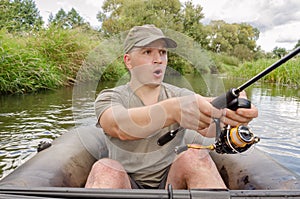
{"x":42,"y":60}
{"x":223,"y":63}
{"x":287,"y":74}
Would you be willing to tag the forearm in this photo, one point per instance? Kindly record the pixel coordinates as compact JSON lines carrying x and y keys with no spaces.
{"x":140,"y":122}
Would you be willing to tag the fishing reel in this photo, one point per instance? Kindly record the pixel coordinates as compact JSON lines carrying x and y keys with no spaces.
{"x":235,"y":140}
{"x":229,"y":140}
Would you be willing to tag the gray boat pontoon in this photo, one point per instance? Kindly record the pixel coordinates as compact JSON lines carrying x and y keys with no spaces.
{"x":61,"y":170}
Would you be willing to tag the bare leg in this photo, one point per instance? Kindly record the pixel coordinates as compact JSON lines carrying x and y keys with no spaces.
{"x":194,"y":169}
{"x":107,"y":173}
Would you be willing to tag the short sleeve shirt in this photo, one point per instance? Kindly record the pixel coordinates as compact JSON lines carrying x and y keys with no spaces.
{"x":143,"y":159}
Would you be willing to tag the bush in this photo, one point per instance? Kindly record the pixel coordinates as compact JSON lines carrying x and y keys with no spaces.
{"x":42,"y":60}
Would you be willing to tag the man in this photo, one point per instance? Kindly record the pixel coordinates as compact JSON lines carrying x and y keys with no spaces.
{"x":134,"y":116}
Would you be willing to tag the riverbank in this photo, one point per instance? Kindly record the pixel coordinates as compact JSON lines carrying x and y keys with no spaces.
{"x":287,"y":74}
{"x":49,"y":59}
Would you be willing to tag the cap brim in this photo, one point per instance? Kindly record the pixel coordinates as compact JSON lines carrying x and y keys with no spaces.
{"x":170,"y":43}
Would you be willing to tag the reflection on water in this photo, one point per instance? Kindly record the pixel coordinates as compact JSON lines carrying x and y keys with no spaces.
{"x":278,"y":124}
{"x":25,"y":120}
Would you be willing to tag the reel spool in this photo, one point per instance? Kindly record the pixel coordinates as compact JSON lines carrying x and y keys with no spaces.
{"x":235,"y":140}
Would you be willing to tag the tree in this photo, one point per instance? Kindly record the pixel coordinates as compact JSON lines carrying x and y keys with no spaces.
{"x":222,"y":36}
{"x":19,"y":15}
{"x":68,"y":20}
{"x":279,"y":52}
{"x":192,"y":26}
{"x":121,"y":15}
{"x":248,"y":35}
{"x":235,"y":39}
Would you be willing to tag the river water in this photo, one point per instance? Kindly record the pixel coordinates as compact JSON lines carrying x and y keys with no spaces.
{"x":25,"y":120}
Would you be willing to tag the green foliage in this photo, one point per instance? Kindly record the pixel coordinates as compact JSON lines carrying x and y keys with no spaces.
{"x":234,"y":39}
{"x":223,"y":63}
{"x":242,"y":52}
{"x":43,"y":60}
{"x":279,"y":52}
{"x":69,"y":20}
{"x":287,"y":74}
{"x":191,"y":16}
{"x":180,"y":65}
{"x":23,"y":69}
{"x":19,"y":15}
{"x":121,"y":15}
{"x":48,"y":58}
{"x":114,"y":71}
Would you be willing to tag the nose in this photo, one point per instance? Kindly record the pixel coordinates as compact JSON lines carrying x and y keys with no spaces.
{"x":157,"y":59}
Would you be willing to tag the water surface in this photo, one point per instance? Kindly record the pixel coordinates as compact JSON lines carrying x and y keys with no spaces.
{"x":25,"y":120}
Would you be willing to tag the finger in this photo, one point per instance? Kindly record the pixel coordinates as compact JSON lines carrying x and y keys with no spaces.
{"x":232,"y":116}
{"x":228,"y":121}
{"x":202,"y":126}
{"x":249,"y":113}
{"x":209,"y":110}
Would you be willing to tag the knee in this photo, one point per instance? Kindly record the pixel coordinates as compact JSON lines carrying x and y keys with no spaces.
{"x":108,"y":173}
{"x":108,"y":165}
{"x":195,"y":157}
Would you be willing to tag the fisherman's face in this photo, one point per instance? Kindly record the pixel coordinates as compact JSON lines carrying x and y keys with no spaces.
{"x":147,"y":65}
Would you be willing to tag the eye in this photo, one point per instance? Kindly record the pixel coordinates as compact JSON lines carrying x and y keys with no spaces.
{"x":163,"y":52}
{"x":147,"y":52}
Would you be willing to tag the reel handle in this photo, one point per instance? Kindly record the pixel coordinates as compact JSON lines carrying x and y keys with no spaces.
{"x":168,"y":136}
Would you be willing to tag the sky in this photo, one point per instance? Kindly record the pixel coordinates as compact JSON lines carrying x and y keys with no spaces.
{"x":277,"y":20}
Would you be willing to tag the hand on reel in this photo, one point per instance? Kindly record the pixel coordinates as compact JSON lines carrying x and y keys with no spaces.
{"x":229,"y":140}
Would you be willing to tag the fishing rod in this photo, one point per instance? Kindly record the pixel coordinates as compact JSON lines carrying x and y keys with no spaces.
{"x":240,"y":138}
{"x":225,"y":100}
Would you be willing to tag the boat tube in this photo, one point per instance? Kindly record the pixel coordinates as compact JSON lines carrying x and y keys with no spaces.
{"x":67,"y":162}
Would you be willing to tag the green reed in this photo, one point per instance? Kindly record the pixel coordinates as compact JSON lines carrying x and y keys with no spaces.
{"x":42,"y":60}
{"x":287,"y":74}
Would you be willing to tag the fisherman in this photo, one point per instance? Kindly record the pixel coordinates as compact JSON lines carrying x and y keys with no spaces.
{"x":135,"y":115}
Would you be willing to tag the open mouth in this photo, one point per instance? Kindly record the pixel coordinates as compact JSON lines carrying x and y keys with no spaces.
{"x":158,"y":72}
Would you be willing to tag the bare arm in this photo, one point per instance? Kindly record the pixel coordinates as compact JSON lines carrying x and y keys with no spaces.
{"x":193,"y":112}
{"x":137,"y":123}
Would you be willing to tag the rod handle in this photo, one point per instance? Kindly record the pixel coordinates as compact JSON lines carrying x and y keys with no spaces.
{"x":168,"y":136}
{"x":224,"y":100}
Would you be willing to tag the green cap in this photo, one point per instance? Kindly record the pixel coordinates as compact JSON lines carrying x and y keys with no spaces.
{"x":140,"y":36}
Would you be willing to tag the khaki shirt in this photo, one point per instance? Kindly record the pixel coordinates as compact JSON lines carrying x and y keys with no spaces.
{"x":143,"y":159}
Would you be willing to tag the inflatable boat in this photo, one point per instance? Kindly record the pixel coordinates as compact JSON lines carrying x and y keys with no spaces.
{"x":61,"y":170}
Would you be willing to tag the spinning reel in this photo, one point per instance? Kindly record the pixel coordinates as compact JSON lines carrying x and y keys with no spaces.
{"x":235,"y":140}
{"x":229,"y":140}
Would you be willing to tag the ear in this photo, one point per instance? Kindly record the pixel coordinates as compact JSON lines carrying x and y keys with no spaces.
{"x":127,"y":61}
